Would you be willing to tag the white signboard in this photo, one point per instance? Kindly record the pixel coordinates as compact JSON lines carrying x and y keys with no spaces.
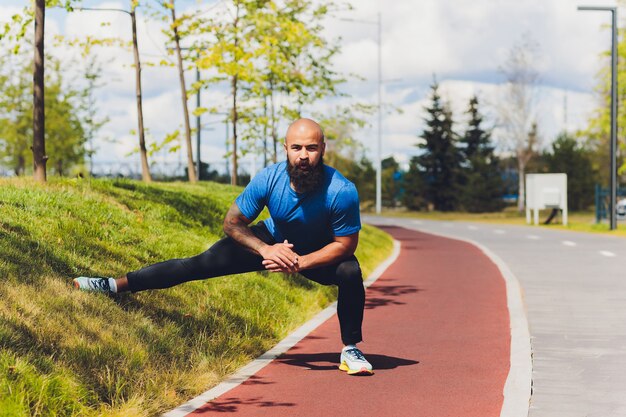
{"x":546,"y":191}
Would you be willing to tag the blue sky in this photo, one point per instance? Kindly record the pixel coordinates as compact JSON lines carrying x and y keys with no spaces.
{"x":463,"y":43}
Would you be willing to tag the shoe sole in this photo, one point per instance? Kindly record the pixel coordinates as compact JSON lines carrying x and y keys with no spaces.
{"x":355,"y":372}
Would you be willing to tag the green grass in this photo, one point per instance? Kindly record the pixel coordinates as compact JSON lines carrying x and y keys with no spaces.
{"x":577,"y":221}
{"x":70,"y":353}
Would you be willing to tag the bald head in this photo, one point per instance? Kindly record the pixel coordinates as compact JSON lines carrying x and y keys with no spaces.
{"x":305,"y":127}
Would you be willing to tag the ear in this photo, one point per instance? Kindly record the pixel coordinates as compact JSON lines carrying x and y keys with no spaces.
{"x":285,"y":145}
{"x":323,"y":148}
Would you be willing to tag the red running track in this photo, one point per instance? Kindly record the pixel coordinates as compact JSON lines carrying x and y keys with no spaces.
{"x":436,"y":331}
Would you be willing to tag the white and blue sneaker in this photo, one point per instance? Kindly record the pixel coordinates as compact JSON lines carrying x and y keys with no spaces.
{"x":353,"y":361}
{"x":104,"y":285}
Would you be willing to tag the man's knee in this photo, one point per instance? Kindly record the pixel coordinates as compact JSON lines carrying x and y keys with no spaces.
{"x":349,"y":272}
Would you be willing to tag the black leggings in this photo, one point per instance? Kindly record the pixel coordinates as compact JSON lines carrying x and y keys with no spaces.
{"x":226,"y":257}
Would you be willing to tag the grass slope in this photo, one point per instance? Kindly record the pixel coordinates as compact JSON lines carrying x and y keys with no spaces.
{"x":69,"y":353}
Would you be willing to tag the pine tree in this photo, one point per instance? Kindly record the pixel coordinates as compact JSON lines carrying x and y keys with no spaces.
{"x":569,"y":157}
{"x":481,"y":178}
{"x":439,"y":163}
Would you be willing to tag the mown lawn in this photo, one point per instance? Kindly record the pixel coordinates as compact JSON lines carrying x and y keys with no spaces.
{"x":70,"y":353}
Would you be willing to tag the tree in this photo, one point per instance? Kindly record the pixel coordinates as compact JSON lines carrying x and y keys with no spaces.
{"x":175,"y":36}
{"x":569,"y":157}
{"x":65,"y":133}
{"x":597,"y":133}
{"x":17,"y":31}
{"x":483,"y":187}
{"x":517,"y":111}
{"x":232,"y":53}
{"x":391,"y":179}
{"x":439,"y":164}
{"x":269,"y":50}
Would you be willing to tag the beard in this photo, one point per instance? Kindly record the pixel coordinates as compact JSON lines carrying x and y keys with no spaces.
{"x":308,"y":177}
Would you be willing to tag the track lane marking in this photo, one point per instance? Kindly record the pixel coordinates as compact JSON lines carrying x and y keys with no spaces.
{"x":569,"y":243}
{"x":607,"y":253}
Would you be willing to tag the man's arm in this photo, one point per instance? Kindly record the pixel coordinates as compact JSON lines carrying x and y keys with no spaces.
{"x":236,"y":227}
{"x":341,"y":248}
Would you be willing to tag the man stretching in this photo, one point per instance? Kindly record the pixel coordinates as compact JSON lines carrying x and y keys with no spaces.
{"x":313,"y":229}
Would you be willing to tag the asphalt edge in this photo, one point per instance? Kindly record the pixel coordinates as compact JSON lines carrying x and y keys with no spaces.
{"x":518,"y":385}
{"x":259,"y":363}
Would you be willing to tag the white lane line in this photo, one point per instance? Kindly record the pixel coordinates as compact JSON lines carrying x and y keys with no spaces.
{"x":607,"y":253}
{"x":448,"y":225}
{"x":569,"y":243}
{"x":417,"y":222}
{"x":499,"y":231}
{"x":533,"y":237}
{"x":472,"y":227}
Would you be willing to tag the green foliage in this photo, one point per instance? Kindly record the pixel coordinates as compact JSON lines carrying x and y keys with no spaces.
{"x":481,"y":179}
{"x":391,"y":182}
{"x":439,"y":162}
{"x":65,"y":126}
{"x":360,"y":172}
{"x":267,"y":50}
{"x":567,"y":156}
{"x":597,"y":135}
{"x":70,"y":353}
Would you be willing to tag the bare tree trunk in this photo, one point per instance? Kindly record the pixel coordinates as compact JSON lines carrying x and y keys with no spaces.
{"x":145,"y":168}
{"x":521,"y":190}
{"x":39,"y":141}
{"x":274,"y":137}
{"x":233,"y":177}
{"x":191,"y":169}
{"x":21,"y":166}
{"x":265,"y":131}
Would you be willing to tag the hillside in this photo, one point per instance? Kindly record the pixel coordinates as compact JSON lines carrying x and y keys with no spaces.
{"x":69,"y":353}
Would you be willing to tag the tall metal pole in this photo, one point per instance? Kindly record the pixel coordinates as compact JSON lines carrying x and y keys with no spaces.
{"x":380,"y":121}
{"x":198,"y":125}
{"x":614,"y":120}
{"x":613,"y":151}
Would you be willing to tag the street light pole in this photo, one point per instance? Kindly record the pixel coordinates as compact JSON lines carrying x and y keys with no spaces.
{"x":380,"y":122}
{"x":613,"y":152}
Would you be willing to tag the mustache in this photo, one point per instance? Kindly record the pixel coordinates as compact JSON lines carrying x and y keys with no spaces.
{"x":305,"y":176}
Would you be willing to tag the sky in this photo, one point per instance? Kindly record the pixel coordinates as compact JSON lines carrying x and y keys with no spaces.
{"x":462,"y":43}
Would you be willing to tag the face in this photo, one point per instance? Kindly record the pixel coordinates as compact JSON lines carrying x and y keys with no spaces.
{"x":305,"y":148}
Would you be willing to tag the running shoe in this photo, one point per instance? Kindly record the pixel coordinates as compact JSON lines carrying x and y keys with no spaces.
{"x":93,"y":284}
{"x":353,"y":362}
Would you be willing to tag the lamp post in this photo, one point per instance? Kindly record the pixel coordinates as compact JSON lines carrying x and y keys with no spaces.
{"x":613,"y":164}
{"x":378,"y":23}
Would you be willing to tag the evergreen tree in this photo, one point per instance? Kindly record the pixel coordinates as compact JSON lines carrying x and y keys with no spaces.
{"x":391,"y":182}
{"x":439,"y":163}
{"x":570,"y":158}
{"x":481,"y":178}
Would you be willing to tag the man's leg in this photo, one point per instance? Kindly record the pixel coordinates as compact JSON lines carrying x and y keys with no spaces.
{"x":225,"y":257}
{"x":350,"y":305}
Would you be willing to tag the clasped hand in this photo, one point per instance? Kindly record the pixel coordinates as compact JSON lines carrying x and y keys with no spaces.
{"x":280,"y":257}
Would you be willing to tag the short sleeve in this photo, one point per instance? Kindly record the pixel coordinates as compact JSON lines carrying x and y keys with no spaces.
{"x":254,"y":197}
{"x":346,"y":217}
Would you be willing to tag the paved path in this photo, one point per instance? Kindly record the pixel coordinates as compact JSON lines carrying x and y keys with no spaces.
{"x":437,"y":333}
{"x":574,"y":287}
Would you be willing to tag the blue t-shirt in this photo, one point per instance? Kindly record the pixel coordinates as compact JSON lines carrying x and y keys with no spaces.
{"x":309,"y":220}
